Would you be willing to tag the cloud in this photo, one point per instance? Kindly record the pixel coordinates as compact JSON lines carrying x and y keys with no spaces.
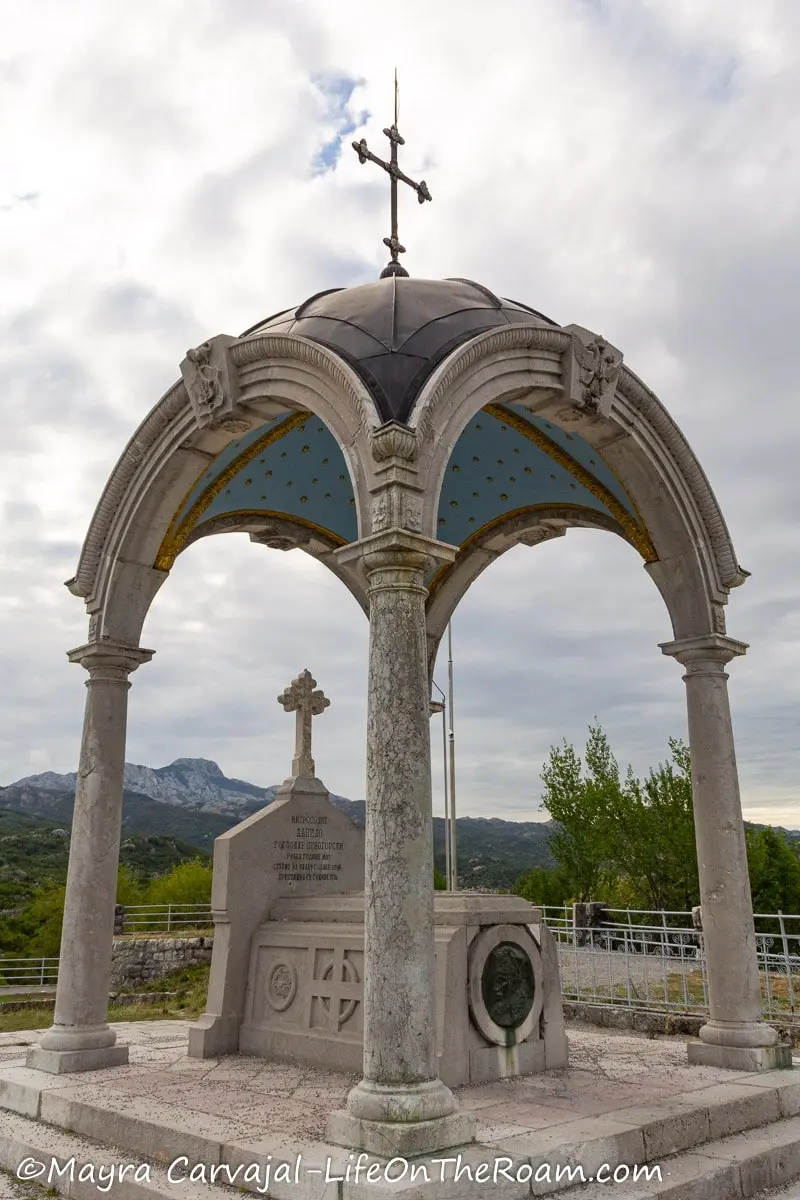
{"x":627,"y":168}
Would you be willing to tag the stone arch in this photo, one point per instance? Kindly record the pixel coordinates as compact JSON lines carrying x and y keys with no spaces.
{"x":391,"y":337}
{"x":529,"y":527}
{"x":694,"y":564}
{"x":262,"y":378}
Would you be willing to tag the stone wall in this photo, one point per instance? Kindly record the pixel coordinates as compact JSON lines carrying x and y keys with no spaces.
{"x":140,"y":960}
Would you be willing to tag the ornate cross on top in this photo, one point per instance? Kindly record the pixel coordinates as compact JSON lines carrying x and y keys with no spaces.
{"x":301,"y":698}
{"x":393,"y":267}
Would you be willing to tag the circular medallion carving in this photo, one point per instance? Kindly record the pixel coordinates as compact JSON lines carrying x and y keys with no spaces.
{"x":507,"y":985}
{"x":281,"y":986}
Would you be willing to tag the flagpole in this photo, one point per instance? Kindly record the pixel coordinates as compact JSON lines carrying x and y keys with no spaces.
{"x":452,"y":738}
{"x":441,"y":706}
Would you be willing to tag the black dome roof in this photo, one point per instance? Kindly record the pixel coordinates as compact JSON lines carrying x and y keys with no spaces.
{"x":395,"y":331}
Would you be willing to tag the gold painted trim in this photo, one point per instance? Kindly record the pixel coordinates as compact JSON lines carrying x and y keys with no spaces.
{"x":555,"y":508}
{"x":635,"y":533}
{"x":273,"y":515}
{"x":178,"y":532}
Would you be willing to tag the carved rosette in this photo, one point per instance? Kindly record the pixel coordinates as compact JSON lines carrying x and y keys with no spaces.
{"x":212,"y":384}
{"x":282,"y":986}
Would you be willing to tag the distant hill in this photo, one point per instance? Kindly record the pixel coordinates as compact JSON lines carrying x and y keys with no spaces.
{"x":140,"y":814}
{"x":195,"y":783}
{"x":194,"y":801}
{"x":34,"y":851}
{"x":174,"y":812}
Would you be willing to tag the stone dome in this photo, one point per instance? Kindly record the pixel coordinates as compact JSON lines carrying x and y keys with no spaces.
{"x":394,"y":332}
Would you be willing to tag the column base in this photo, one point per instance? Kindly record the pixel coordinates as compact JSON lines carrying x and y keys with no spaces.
{"x":740,"y":1058}
{"x":745,"y":1034}
{"x":64,"y":1062}
{"x":402,"y":1103}
{"x":401,"y":1139}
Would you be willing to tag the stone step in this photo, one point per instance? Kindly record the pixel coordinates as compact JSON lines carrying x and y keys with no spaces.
{"x":733,"y":1168}
{"x":26,"y":1141}
{"x":700,"y":1126}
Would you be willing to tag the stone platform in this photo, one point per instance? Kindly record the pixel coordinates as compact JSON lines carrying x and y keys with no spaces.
{"x":716,"y":1134}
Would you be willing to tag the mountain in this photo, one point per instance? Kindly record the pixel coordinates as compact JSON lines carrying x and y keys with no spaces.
{"x":492,"y":853}
{"x":196,"y":783}
{"x":34,"y":851}
{"x":192,"y":799}
{"x":140,"y":814}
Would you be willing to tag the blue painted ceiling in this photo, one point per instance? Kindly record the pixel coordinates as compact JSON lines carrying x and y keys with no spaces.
{"x":506,"y":459}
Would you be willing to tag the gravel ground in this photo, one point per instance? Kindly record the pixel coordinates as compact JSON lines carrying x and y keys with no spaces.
{"x":14,"y":1189}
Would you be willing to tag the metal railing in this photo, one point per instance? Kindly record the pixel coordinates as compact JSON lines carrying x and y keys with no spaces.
{"x":161,"y":918}
{"x":645,"y":960}
{"x":20,"y":973}
{"x":654,"y":961}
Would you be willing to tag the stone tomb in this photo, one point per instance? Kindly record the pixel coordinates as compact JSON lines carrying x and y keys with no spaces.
{"x":498,"y":997}
{"x":287,"y":972}
{"x":300,"y":845}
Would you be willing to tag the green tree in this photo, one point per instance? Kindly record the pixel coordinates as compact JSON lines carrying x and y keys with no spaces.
{"x":130,"y":886}
{"x":586,"y":806}
{"x":774,"y":872}
{"x":42,"y":919}
{"x":439,"y":881}
{"x":188,"y":883}
{"x":629,"y":841}
{"x":655,"y":847}
{"x":545,"y":885}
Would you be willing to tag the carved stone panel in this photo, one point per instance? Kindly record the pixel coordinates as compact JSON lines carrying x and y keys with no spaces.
{"x":212,"y":384}
{"x":591,"y":369}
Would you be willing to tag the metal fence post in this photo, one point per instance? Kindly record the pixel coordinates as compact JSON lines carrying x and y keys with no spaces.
{"x":787,"y":961}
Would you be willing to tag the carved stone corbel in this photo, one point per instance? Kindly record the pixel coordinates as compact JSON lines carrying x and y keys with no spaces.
{"x":592,"y":367}
{"x":212,"y":383}
{"x":394,"y":441}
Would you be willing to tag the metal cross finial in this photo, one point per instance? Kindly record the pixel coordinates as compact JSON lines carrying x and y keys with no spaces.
{"x":301,"y":698}
{"x":394,"y":172}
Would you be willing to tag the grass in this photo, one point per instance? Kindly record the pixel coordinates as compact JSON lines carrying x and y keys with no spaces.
{"x":190,"y":985}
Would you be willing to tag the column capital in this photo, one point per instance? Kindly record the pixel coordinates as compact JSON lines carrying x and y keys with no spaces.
{"x":107,"y":659}
{"x":396,"y":548}
{"x":707,"y":647}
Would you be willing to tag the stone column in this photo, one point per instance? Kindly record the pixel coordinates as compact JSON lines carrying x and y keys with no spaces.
{"x":81,"y":1038}
{"x":736,"y":1034}
{"x":400,"y":1107}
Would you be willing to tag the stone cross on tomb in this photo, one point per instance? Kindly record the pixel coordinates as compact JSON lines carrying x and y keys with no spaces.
{"x":301,"y":698}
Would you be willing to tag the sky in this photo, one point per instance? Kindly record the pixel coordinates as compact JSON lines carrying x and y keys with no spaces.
{"x":174,"y":170}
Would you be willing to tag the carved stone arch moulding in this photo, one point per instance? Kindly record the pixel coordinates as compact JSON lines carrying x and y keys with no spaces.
{"x":529,"y":526}
{"x":503,"y":364}
{"x":225,"y":380}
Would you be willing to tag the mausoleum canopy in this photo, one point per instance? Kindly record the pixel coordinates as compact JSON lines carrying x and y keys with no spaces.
{"x":395,"y":332}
